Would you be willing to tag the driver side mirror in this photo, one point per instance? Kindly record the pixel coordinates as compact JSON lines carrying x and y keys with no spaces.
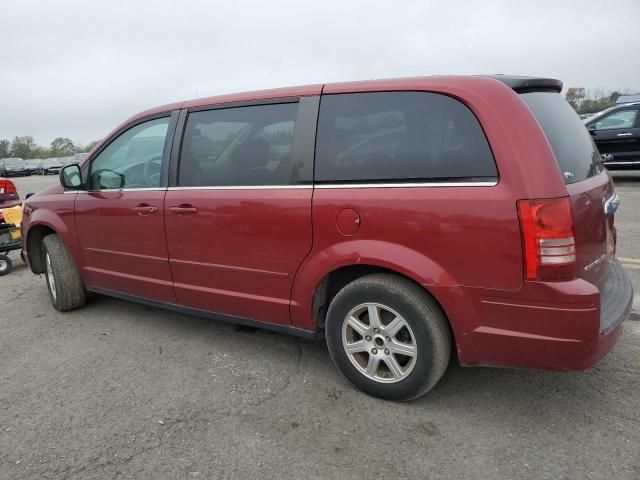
{"x":71,"y":177}
{"x":592,"y":129}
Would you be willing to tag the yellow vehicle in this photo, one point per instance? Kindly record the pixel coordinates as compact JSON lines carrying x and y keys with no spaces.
{"x":10,"y":238}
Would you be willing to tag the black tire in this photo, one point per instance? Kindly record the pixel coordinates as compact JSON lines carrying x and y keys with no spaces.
{"x":6,"y":266}
{"x":67,"y":290}
{"x":428,"y":330}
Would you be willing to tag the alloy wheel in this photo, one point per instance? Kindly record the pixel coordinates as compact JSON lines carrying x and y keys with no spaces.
{"x":379,"y":342}
{"x":50,"y":278}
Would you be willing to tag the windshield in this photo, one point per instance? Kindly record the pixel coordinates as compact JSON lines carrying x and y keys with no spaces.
{"x":13,"y":161}
{"x":575,"y":152}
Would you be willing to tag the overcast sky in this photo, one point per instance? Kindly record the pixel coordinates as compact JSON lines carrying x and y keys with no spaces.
{"x":77,"y":68}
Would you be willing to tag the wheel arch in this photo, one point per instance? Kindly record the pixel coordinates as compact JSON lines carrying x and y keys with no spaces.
{"x":41,"y":223}
{"x":335,"y":280}
{"x":319,"y":278}
{"x":35,"y":237}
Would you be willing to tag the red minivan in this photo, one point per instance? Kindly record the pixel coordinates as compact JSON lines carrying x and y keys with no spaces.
{"x":399,"y":219}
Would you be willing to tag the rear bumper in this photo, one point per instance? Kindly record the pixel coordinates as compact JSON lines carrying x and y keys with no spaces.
{"x":616,"y":298}
{"x":547,"y":325}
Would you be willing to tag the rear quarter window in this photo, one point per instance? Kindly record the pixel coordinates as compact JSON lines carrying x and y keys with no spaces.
{"x":574,"y":149}
{"x":400,"y":136}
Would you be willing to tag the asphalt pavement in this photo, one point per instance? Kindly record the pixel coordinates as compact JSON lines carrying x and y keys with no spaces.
{"x":121,"y":390}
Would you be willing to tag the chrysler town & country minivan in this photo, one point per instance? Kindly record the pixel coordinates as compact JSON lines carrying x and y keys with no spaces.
{"x":407,"y":221}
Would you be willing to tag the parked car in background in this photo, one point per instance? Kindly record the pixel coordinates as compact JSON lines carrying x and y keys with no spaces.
{"x":65,"y":160}
{"x":8,"y":194}
{"x":50,"y":165}
{"x":400,"y":219}
{"x":622,"y":99}
{"x":13,"y":167}
{"x":616,"y":132}
{"x":78,"y":157}
{"x":33,"y":164}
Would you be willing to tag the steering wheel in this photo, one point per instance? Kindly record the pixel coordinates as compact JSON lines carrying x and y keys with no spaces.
{"x":151,"y":177}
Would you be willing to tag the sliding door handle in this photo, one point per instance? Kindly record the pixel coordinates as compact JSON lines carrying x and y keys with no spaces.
{"x":183,"y":210}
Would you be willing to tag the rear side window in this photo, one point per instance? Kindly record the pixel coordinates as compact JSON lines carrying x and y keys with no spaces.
{"x":240,"y":146}
{"x":616,"y":120}
{"x":400,"y":136}
{"x":577,"y":155}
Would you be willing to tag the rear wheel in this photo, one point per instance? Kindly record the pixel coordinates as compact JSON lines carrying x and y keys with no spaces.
{"x":388,"y":336}
{"x":65,"y":285}
{"x":5,"y":265}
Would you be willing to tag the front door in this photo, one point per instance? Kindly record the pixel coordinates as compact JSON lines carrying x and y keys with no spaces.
{"x":119,"y":219}
{"x":618,"y":135}
{"x":238,"y":220}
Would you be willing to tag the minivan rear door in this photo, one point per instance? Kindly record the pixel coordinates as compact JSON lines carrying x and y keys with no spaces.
{"x":589,"y":185}
{"x":238,"y":216}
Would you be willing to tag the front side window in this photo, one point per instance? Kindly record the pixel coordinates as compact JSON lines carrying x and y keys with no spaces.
{"x":132,"y":160}
{"x":399,"y":136}
{"x":239,"y":146}
{"x":620,"y":119}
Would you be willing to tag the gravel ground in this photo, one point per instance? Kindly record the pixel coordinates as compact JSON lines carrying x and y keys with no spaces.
{"x":120,"y":390}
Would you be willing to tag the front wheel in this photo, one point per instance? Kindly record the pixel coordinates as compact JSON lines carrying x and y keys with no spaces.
{"x":5,"y":265}
{"x":388,"y":336}
{"x":65,"y":285}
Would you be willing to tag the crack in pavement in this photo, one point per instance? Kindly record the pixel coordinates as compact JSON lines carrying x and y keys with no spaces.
{"x":294,"y":371}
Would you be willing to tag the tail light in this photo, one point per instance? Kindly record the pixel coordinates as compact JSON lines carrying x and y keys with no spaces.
{"x":549,"y":242}
{"x":7,"y":186}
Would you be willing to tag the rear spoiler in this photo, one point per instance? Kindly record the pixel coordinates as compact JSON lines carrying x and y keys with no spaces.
{"x":528,"y":84}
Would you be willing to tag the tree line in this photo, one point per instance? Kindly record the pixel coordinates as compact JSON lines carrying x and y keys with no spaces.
{"x":25,"y":147}
{"x":586,"y":101}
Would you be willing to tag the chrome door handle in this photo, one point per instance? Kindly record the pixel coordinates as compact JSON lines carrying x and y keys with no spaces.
{"x":625,"y":134}
{"x":144,"y":209}
{"x":183,"y":210}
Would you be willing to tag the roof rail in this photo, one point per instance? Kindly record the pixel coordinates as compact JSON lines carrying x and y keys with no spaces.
{"x":626,"y":104}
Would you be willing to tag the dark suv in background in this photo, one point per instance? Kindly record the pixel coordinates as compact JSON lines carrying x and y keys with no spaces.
{"x":616,"y":132}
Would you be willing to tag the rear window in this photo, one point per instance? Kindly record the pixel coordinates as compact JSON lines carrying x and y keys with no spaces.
{"x":577,"y":155}
{"x":400,"y":136}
